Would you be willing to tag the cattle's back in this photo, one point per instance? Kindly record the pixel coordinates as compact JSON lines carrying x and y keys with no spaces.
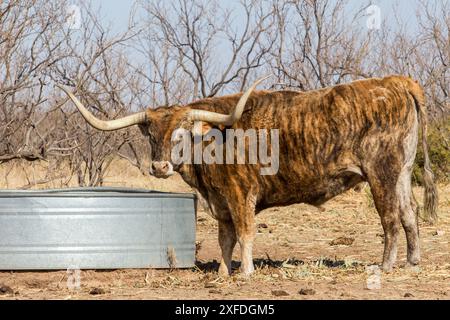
{"x":322,"y":133}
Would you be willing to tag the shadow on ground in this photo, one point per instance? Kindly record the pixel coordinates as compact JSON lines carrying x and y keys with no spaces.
{"x":213,"y":266}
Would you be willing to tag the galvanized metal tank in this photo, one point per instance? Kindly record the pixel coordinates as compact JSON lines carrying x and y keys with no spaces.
{"x":96,"y":228}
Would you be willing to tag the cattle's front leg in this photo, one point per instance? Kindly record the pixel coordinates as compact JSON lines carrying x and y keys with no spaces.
{"x":245,"y":236}
{"x":227,"y":241}
{"x":244,"y":223}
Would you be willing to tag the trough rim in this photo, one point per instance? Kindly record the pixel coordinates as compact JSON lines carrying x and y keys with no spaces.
{"x":95,"y":192}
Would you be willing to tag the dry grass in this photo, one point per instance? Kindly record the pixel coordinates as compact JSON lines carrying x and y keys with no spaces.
{"x":17,"y":174}
{"x":292,"y":254}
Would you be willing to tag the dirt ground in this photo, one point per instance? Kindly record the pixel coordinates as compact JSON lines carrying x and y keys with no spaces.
{"x":298,"y":254}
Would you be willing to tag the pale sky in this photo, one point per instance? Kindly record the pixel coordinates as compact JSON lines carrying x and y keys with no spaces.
{"x":117,"y":12}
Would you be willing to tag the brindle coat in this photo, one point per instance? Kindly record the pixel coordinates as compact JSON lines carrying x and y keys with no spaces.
{"x":329,"y":141}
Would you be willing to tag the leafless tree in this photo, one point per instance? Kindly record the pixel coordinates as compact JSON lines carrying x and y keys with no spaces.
{"x":196,"y":49}
{"x":97,"y":67}
{"x":422,"y":52}
{"x":178,"y":51}
{"x":320,"y":43}
{"x":28,"y":48}
{"x":37,"y":49}
{"x":433,"y":57}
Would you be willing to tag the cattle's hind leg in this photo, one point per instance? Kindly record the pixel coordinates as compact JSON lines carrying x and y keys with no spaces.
{"x":408,"y":218}
{"x":408,"y":206}
{"x":387,"y":204}
{"x":227,"y":241}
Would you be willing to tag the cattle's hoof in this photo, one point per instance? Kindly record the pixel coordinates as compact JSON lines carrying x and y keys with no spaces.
{"x":247,"y":273}
{"x":414,"y":267}
{"x":224,"y":271}
{"x":244,"y":276}
{"x":413,"y":260}
{"x":387,"y":268}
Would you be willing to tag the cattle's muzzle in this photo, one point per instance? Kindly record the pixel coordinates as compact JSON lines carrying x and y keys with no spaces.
{"x":161,"y":169}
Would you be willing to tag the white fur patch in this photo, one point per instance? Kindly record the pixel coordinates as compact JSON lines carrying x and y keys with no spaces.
{"x":403,"y":186}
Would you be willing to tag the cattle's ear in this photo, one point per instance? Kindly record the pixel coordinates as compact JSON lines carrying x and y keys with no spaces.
{"x":201,"y":128}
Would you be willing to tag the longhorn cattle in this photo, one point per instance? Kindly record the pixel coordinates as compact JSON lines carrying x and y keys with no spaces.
{"x":329,"y":141}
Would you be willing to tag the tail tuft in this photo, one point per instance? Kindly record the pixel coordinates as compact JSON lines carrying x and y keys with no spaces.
{"x":431,"y":194}
{"x":430,"y":197}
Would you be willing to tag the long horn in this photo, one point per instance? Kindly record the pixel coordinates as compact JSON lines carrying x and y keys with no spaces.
{"x":110,"y":125}
{"x":226,"y":119}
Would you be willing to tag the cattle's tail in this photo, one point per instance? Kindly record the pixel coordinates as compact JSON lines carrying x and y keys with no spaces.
{"x":431,"y":195}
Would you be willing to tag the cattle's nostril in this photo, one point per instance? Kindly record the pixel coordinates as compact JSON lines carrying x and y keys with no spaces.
{"x":165,"y":166}
{"x":153,"y":166}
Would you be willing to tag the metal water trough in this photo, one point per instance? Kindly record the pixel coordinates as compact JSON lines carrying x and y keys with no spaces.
{"x":96,"y":228}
